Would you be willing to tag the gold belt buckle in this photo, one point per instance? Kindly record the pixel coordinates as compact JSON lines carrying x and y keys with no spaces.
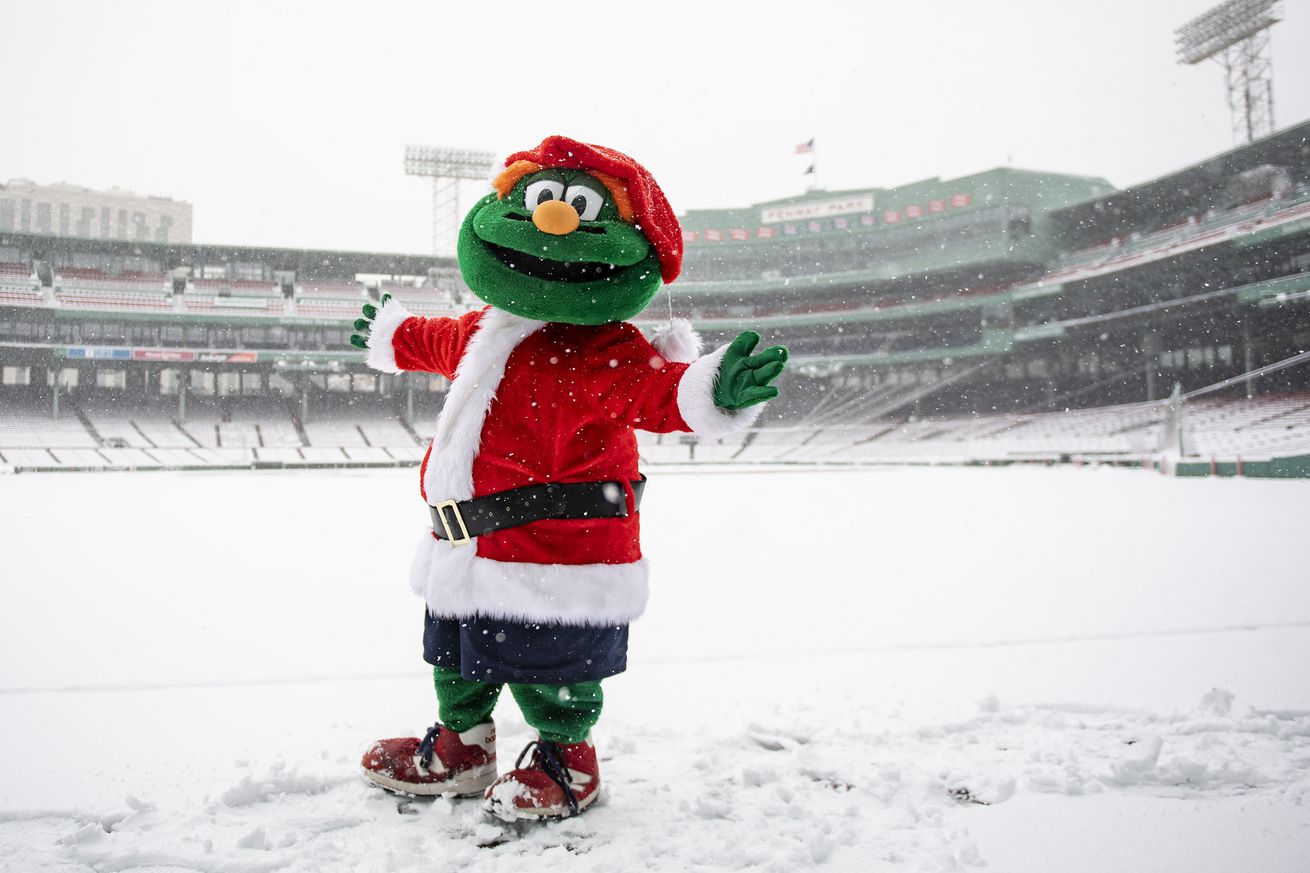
{"x":450,"y":534}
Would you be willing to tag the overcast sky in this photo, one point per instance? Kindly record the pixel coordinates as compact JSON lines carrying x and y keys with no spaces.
{"x":285,"y":123}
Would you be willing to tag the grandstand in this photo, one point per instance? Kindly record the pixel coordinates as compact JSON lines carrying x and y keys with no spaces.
{"x":1009,"y":316}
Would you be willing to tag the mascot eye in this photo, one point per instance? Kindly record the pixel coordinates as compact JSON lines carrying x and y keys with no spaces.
{"x":586,"y":200}
{"x":542,"y":190}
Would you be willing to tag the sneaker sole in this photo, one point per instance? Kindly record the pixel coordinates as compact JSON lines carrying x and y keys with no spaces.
{"x":547,"y":814}
{"x":470,"y":783}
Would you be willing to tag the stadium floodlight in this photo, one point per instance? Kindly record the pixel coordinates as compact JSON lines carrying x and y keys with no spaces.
{"x":1236,"y":34}
{"x":447,"y":167}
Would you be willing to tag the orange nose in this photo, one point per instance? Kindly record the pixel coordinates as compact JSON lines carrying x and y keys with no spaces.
{"x":555,"y":216}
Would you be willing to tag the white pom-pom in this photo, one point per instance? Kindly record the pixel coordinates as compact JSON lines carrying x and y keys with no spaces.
{"x":677,"y":341}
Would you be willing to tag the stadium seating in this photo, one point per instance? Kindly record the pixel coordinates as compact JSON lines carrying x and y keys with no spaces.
{"x":246,"y":431}
{"x":206,"y":304}
{"x":18,"y":285}
{"x":334,"y":432}
{"x":113,"y":422}
{"x":20,"y":293}
{"x":1209,"y":229}
{"x":92,"y":289}
{"x":31,"y":426}
{"x":342,"y":310}
{"x":235,"y":288}
{"x":1222,"y":428}
{"x":102,"y":298}
{"x":261,"y":422}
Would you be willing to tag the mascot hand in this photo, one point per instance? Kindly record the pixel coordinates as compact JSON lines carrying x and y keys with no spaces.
{"x":363,"y":325}
{"x":744,"y":378}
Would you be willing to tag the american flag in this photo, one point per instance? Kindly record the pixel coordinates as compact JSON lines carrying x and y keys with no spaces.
{"x":714,"y":235}
{"x":739,"y":233}
{"x":765,"y":233}
{"x":805,"y":148}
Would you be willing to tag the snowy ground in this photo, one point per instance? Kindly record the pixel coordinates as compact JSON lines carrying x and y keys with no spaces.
{"x":880,"y":670}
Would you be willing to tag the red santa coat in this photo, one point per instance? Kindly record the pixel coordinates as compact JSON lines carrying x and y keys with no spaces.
{"x":534,"y":402}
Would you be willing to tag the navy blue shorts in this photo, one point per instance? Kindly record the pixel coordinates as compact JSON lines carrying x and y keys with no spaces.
{"x":496,"y":650}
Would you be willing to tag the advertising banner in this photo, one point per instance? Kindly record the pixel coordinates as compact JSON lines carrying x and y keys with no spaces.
{"x":167,"y":356}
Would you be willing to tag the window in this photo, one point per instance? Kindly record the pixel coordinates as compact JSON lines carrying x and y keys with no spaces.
{"x":6,"y":214}
{"x":111,"y":378}
{"x":65,"y":215}
{"x":17,"y":376}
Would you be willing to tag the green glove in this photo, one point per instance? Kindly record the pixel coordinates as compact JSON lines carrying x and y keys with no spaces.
{"x":364,"y":325}
{"x":744,"y":378}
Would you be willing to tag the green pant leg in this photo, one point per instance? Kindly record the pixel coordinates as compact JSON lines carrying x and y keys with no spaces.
{"x":463,"y":704}
{"x":560,"y":713}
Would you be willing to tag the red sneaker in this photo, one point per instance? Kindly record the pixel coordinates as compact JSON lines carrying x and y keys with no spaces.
{"x":443,"y":762}
{"x":562,"y":780}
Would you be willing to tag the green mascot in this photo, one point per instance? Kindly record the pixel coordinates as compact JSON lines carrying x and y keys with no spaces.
{"x":532,"y":569}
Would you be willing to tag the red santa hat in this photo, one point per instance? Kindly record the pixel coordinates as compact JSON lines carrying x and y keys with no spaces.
{"x":650,"y":210}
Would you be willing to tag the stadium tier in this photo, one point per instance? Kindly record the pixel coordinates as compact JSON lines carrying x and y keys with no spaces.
{"x":1008,"y":315}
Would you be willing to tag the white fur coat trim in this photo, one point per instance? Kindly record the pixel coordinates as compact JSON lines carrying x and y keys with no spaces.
{"x":696,"y":400}
{"x":460,"y":584}
{"x":381,"y":354}
{"x":677,"y":341}
{"x":453,"y":580}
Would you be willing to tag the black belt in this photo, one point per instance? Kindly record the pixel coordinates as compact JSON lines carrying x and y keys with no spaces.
{"x":459,"y":521}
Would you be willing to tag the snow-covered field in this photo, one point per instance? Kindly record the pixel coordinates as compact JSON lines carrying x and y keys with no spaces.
{"x":1027,"y":670}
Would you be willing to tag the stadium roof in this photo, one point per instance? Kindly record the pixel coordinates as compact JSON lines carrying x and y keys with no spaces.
{"x":1190,"y":189}
{"x":308,"y":263}
{"x":922,"y":200}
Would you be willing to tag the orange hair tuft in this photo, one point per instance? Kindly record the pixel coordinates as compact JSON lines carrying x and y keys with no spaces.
{"x":510,"y":176}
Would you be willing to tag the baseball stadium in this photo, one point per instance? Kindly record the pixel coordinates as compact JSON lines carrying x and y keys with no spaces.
{"x":1010,"y":316}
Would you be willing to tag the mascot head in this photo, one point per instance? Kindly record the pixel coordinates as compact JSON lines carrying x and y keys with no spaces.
{"x":573,"y":232}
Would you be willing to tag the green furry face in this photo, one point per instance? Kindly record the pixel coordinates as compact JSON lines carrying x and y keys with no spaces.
{"x":603,"y":271}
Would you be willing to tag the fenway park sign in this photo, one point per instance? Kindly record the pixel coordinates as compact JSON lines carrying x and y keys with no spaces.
{"x":817,"y":209}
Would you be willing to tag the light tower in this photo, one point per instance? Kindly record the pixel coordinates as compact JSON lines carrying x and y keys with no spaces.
{"x":1236,"y":34}
{"x":448,"y":168}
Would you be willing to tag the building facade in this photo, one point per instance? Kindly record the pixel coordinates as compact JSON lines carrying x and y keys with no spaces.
{"x":72,"y":211}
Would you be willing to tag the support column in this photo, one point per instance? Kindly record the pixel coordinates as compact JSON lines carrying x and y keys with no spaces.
{"x":54,"y":393}
{"x":1151,"y":348}
{"x":1248,"y":358}
{"x":183,"y":383}
{"x":304,"y":398}
{"x":409,"y":401}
